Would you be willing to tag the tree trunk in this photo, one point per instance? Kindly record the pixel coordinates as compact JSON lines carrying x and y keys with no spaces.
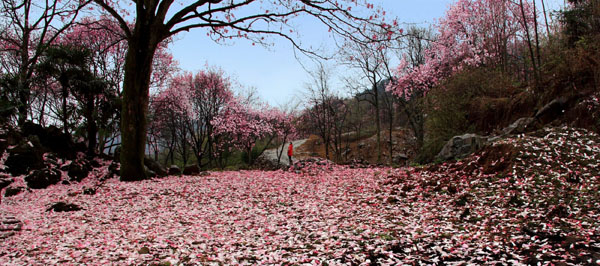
{"x":65,"y":116}
{"x":537,"y":36}
{"x":92,"y":129}
{"x":546,"y":21}
{"x":378,"y":121}
{"x":531,"y":53}
{"x":391,"y":110}
{"x":23,"y":78}
{"x":138,"y":68}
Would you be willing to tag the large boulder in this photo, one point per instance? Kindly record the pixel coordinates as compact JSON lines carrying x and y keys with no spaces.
{"x":174,"y":170}
{"x":461,"y":146}
{"x":522,"y":125}
{"x":63,"y":207}
{"x":191,"y":170}
{"x":79,"y":169}
{"x":53,"y":139}
{"x":13,"y":191}
{"x":156,"y":167}
{"x":40,"y":179}
{"x":556,"y":108}
{"x":26,"y":156}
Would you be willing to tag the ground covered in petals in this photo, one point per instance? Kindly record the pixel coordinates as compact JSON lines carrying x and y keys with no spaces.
{"x":523,"y":200}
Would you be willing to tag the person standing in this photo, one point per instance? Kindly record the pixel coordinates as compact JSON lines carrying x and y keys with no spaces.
{"x":290,"y":152}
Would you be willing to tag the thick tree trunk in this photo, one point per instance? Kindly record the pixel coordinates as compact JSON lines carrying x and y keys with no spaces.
{"x":138,"y":68}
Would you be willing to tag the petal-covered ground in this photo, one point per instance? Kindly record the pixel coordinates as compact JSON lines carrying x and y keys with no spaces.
{"x":528,"y":199}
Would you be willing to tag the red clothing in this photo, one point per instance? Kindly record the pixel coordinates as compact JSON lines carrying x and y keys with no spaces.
{"x":290,"y":150}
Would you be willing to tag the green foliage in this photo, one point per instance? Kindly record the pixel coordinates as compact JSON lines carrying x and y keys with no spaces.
{"x":8,"y":107}
{"x":450,"y":107}
{"x":581,"y":20}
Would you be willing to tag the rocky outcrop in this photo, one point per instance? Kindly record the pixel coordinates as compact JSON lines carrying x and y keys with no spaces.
{"x":40,"y":179}
{"x":13,"y":191}
{"x":522,"y":125}
{"x":174,"y":170}
{"x":63,"y":207}
{"x":26,"y":156}
{"x":461,"y":146}
{"x":78,"y":170}
{"x":54,"y":140}
{"x":191,"y":170}
{"x":155,"y":167}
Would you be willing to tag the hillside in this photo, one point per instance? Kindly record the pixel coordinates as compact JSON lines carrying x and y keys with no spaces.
{"x":364,"y":148}
{"x":524,"y":199}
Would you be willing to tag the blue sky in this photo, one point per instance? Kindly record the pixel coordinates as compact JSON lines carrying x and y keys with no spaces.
{"x":275,"y":73}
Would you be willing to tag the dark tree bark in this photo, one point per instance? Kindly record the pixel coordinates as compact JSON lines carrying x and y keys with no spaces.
{"x":92,"y":128}
{"x":152,"y":25}
{"x":138,"y":68}
{"x":529,"y":45}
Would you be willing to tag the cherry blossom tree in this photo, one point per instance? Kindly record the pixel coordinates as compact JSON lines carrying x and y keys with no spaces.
{"x":240,"y":127}
{"x":210,"y":92}
{"x":157,"y":20}
{"x":104,"y":39}
{"x":182,"y":113}
{"x":466,"y":40}
{"x":171,"y":108}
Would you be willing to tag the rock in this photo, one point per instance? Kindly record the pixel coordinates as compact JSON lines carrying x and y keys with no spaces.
{"x":54,"y":139}
{"x":204,"y":173}
{"x":174,"y":170}
{"x":12,"y":191}
{"x":191,"y":170}
{"x":51,"y":159}
{"x":149,"y":173}
{"x":361,"y":145}
{"x":40,"y":179}
{"x":26,"y":156}
{"x":156,"y":167}
{"x":400,"y":158}
{"x":5,"y":181}
{"x":144,"y":250}
{"x":552,"y":110}
{"x":94,"y":163}
{"x":3,"y":145}
{"x":29,"y":128}
{"x":79,"y":169}
{"x":63,"y":207}
{"x":461,"y":146}
{"x":89,"y":191}
{"x":522,"y":125}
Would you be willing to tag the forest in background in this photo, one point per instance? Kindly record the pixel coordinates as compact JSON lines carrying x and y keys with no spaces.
{"x":464,"y":74}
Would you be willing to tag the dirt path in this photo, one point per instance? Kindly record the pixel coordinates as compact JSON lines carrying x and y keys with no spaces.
{"x":271,"y":154}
